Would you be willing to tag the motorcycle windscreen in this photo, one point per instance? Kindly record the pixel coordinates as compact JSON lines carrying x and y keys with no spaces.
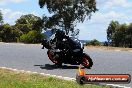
{"x":48,"y":35}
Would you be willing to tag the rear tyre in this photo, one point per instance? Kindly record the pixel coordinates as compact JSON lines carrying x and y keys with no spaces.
{"x":87,"y":61}
{"x":54,"y":59}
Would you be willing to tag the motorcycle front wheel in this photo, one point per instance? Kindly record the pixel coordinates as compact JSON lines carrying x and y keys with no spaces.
{"x":53,"y":59}
{"x":86,"y":61}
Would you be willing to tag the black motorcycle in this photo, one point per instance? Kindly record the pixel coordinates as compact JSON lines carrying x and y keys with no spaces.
{"x":67,"y":50}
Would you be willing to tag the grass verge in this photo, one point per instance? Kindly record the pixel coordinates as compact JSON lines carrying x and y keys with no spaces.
{"x":12,"y":79}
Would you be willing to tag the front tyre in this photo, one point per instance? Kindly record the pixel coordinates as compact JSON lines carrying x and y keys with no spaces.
{"x":54,"y":59}
{"x":86,"y":61}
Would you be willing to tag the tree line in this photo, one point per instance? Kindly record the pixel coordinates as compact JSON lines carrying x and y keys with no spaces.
{"x":119,"y":35}
{"x":26,"y":29}
{"x":65,"y":15}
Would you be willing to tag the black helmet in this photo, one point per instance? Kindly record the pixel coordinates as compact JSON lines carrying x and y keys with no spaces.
{"x":60,"y":33}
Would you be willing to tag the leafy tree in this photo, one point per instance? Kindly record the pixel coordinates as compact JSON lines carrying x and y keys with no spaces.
{"x":16,"y":33}
{"x":1,"y":22}
{"x":94,"y":42}
{"x":1,"y":18}
{"x":9,"y":33}
{"x":0,"y":33}
{"x":27,"y":23}
{"x":119,"y":35}
{"x":30,"y":27}
{"x":128,"y":37}
{"x":113,"y":26}
{"x":24,"y":28}
{"x":27,"y":19}
{"x":6,"y":33}
{"x":67,"y":13}
{"x":31,"y":37}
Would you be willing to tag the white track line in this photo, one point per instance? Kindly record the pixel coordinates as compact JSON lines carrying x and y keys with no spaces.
{"x":60,"y":77}
{"x":118,"y":86}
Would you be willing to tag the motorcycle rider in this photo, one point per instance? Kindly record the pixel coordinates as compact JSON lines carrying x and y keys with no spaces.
{"x":66,"y":49}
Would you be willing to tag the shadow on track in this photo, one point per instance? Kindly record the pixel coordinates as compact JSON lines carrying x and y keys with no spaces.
{"x":52,"y":67}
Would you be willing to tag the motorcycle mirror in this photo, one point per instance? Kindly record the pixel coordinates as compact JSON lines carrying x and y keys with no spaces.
{"x":84,"y":44}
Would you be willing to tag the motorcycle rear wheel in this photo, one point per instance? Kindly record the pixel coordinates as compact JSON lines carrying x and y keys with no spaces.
{"x":87,"y":61}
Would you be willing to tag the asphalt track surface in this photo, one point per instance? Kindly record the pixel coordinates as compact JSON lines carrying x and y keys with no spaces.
{"x":32,"y":58}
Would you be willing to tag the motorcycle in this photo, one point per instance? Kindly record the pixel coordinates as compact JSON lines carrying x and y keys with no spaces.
{"x":66,"y":49}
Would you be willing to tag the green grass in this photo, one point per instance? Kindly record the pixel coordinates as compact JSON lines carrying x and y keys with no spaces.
{"x":11,"y":79}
